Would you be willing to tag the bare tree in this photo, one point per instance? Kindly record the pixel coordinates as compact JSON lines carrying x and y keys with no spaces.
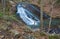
{"x":41,"y":14}
{"x":3,"y":5}
{"x":51,"y":11}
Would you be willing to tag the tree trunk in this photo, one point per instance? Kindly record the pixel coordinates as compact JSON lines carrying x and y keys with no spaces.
{"x":3,"y":5}
{"x":51,"y":11}
{"x":41,"y":15}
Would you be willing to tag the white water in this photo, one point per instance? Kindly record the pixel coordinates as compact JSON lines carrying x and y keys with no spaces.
{"x":24,"y":17}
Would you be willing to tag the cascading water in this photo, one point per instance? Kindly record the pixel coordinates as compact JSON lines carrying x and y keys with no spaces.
{"x":30,"y":15}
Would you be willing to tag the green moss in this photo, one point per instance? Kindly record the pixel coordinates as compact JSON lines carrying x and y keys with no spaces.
{"x":1,"y":14}
{"x":39,"y":1}
{"x":54,"y":37}
{"x":42,"y":34}
{"x":58,"y":1}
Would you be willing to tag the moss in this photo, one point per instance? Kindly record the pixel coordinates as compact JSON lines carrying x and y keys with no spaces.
{"x":1,"y":14}
{"x":58,"y":1}
{"x":42,"y":34}
{"x":39,"y":1}
{"x":54,"y":37}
